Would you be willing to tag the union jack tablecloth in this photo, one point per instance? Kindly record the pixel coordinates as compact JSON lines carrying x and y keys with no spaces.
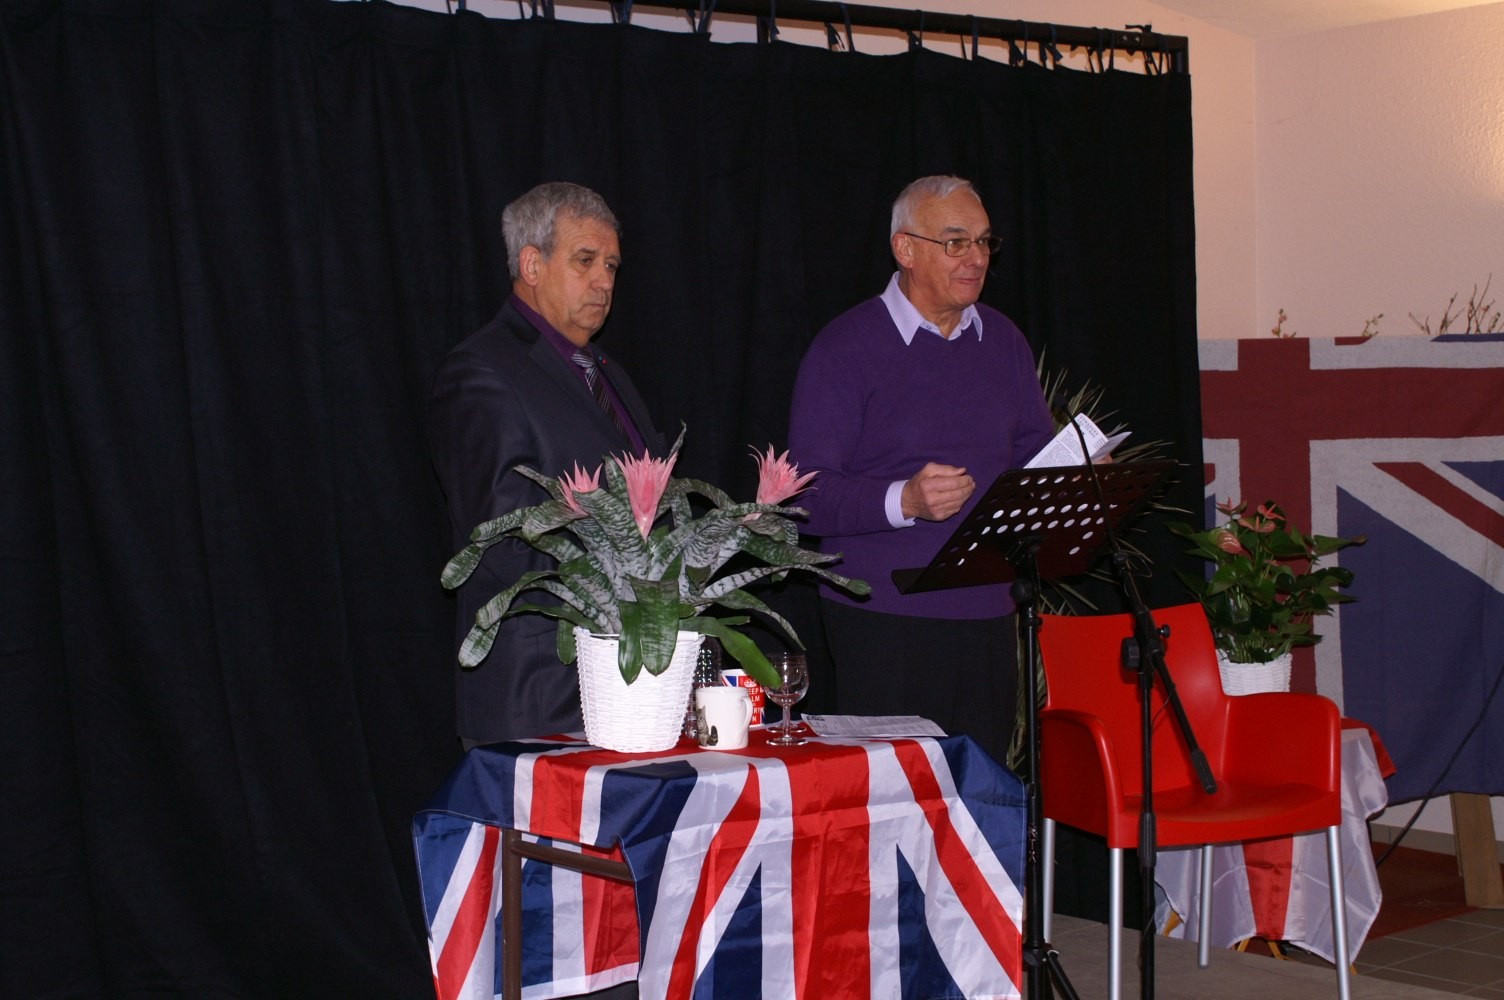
{"x":841,"y":868}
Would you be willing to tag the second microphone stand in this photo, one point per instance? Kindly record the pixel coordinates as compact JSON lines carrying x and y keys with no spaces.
{"x":1144,"y":654}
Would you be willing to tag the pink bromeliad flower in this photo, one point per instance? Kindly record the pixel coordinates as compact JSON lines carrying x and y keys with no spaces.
{"x":646,"y":478}
{"x":777,"y":477}
{"x":578,"y":482}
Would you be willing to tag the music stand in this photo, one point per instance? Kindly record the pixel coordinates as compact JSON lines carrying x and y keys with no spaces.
{"x":1032,"y":521}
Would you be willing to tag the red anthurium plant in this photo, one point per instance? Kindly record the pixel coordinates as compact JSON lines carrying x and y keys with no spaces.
{"x":1266,"y":584}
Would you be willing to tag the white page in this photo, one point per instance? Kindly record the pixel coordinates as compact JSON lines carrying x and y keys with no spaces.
{"x":872,"y":725}
{"x":1065,"y":447}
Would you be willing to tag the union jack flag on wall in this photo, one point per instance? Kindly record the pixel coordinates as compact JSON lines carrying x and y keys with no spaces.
{"x":844,"y":868}
{"x":1401,"y":440}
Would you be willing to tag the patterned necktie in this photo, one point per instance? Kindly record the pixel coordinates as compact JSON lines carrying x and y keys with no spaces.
{"x":597,"y":385}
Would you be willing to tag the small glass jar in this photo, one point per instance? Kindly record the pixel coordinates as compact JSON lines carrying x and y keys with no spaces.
{"x":707,"y":673}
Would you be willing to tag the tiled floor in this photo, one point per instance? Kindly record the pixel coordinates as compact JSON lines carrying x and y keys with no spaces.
{"x":1231,"y":975}
{"x":1427,"y":943}
{"x":1462,"y":953}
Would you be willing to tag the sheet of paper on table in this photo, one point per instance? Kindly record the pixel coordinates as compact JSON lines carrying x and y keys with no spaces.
{"x":872,"y":725}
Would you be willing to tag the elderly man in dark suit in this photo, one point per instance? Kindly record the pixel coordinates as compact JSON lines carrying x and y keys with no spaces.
{"x":530,"y":389}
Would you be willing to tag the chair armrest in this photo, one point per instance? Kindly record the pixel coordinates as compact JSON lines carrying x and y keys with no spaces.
{"x":1079,"y":779}
{"x":1278,"y":733}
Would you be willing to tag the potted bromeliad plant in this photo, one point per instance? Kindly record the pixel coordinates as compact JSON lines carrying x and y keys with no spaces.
{"x":1266,"y":587}
{"x":632,"y":594}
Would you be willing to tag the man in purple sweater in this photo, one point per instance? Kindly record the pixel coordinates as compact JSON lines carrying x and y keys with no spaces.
{"x":904,"y":404}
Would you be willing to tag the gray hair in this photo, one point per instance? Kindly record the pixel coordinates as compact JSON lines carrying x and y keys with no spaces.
{"x":530,"y":220}
{"x":938,"y":186}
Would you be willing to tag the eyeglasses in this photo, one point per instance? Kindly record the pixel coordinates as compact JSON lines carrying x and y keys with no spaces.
{"x":960,"y":246}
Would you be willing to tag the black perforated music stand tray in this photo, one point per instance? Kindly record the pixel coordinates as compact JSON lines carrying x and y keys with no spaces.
{"x":1052,"y":513}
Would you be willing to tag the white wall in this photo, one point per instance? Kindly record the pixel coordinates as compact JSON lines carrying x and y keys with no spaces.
{"x":1380,"y":171}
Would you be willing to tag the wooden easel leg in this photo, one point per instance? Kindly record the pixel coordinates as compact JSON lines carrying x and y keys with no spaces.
{"x":511,"y":915}
{"x":1477,"y":850}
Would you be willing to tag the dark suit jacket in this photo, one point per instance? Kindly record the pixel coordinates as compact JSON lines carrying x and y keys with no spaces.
{"x":505,"y":397}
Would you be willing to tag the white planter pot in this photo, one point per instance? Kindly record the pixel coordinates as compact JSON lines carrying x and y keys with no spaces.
{"x":641,"y":717}
{"x":1254,"y":678}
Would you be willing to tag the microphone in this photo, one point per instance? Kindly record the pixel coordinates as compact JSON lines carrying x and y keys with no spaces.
{"x":1060,"y":403}
{"x":1065,"y":402}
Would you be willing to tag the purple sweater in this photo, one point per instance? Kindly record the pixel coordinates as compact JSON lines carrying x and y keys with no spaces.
{"x":869,"y":409}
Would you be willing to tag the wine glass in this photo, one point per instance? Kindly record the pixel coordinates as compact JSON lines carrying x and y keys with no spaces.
{"x":793,"y":682}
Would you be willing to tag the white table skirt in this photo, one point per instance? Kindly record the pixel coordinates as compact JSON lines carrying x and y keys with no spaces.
{"x":1305,"y":919}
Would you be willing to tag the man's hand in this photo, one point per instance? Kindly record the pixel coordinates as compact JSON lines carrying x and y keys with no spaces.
{"x":936,"y":492}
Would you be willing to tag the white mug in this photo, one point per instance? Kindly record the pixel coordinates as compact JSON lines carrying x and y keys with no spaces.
{"x":724,"y":714}
{"x":737,"y":677}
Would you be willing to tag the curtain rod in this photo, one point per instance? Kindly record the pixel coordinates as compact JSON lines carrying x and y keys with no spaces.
{"x":1167,"y":53}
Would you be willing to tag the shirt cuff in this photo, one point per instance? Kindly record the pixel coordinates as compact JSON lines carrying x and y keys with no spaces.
{"x":893,"y":505}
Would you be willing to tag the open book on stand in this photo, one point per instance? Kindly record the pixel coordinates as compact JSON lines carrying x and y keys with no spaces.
{"x":1065,"y":447}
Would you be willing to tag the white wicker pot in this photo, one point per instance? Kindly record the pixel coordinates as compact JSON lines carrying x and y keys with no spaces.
{"x":1254,"y":678}
{"x":640,"y":717}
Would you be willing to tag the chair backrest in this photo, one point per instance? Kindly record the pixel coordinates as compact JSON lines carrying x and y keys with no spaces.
{"x":1084,"y":671}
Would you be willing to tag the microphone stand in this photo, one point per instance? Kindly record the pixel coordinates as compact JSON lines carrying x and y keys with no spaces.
{"x":1144,"y":654}
{"x":1040,"y":957}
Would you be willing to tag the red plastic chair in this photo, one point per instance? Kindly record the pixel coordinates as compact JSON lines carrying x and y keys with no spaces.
{"x":1277,"y":759}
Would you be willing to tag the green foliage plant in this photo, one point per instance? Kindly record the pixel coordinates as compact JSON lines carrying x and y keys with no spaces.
{"x":1267,"y":584}
{"x":645,"y":555}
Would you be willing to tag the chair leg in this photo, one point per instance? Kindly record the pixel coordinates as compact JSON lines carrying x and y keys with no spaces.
{"x":1339,"y":910}
{"x":1204,"y":923}
{"x":1047,"y":877}
{"x":1115,"y":924}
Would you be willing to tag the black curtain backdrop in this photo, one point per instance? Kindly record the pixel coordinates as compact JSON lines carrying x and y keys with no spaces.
{"x":235,"y":238}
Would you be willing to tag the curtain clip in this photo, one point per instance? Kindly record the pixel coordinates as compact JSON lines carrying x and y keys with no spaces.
{"x":1016,"y":56}
{"x":707,"y":11}
{"x":1052,"y":48}
{"x":767,"y":27}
